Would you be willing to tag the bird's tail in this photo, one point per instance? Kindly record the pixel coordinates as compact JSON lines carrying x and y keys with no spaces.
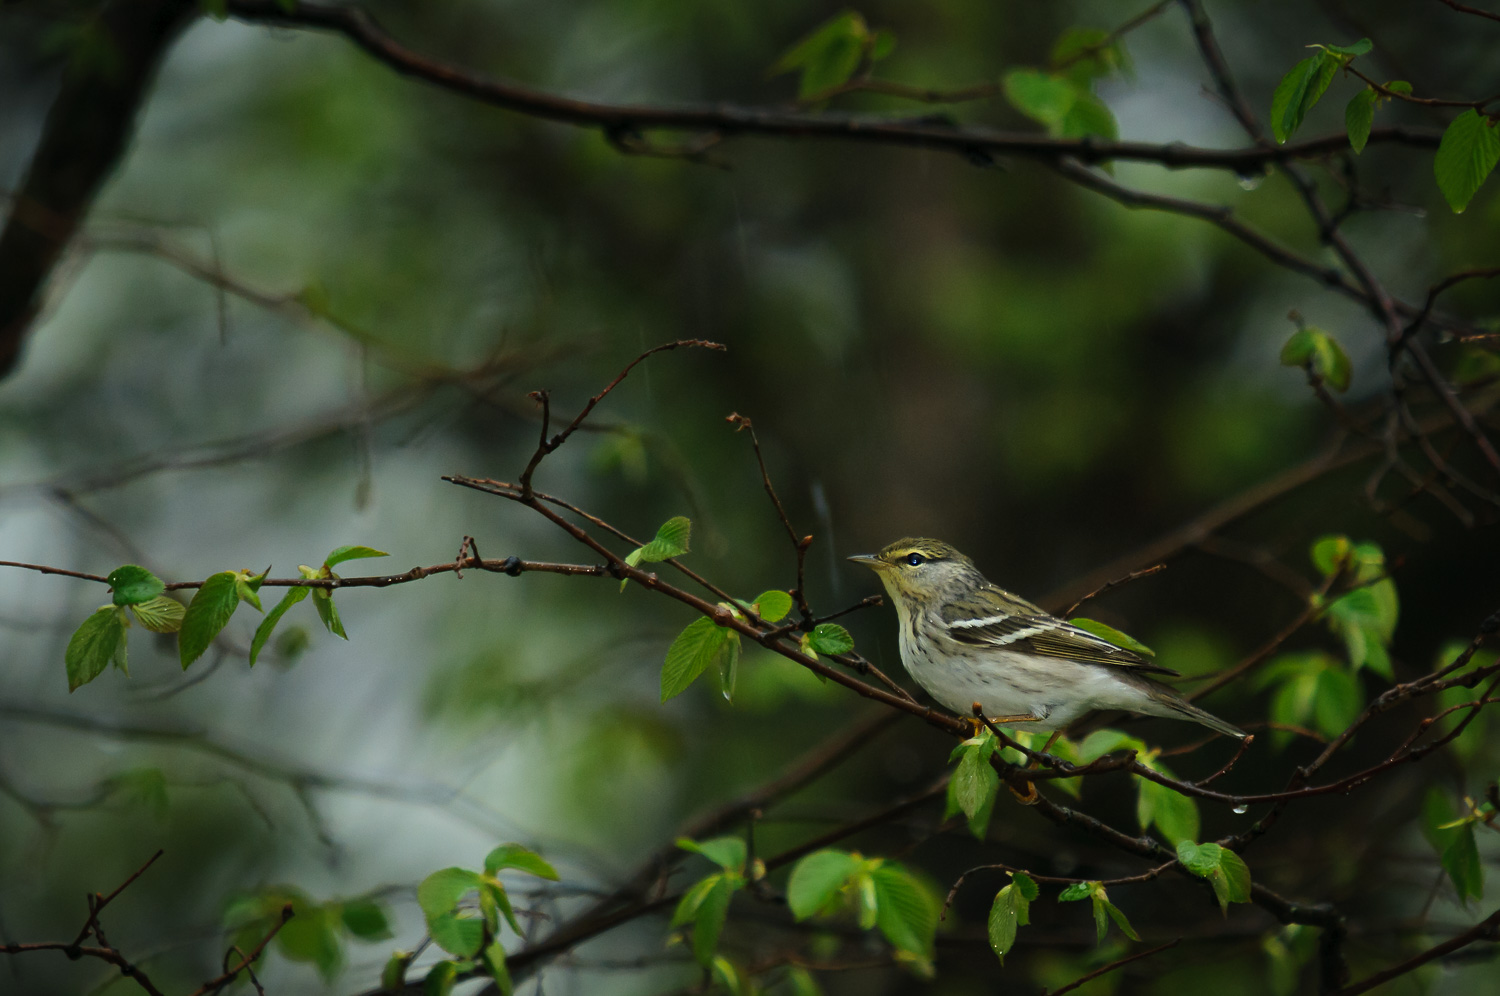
{"x":1175,"y":707}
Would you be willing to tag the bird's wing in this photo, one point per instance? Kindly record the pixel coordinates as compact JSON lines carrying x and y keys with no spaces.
{"x":1004,"y":620}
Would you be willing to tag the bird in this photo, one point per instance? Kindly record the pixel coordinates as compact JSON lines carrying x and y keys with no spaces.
{"x":975,"y":647}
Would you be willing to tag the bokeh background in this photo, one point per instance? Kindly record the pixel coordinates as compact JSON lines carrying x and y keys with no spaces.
{"x":313,"y":287}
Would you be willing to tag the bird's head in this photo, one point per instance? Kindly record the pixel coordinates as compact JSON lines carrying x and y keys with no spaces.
{"x":916,"y":571}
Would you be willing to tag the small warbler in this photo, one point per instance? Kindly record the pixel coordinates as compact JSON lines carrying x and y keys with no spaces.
{"x":969,"y":643}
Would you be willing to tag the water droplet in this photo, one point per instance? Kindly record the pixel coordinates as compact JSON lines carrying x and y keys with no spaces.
{"x":1249,"y":181}
{"x":1241,"y":809}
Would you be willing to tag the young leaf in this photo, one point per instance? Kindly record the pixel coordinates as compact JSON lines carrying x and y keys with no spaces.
{"x":133,"y":585}
{"x":699,"y":644}
{"x":344,"y":553}
{"x":520,"y":858}
{"x":1174,"y":814}
{"x":1123,"y":640}
{"x":492,"y":958}
{"x":263,"y":631}
{"x":1298,"y":91}
{"x":728,"y":853}
{"x":439,"y":980}
{"x":1321,"y":353}
{"x":829,"y":55}
{"x":393,"y":975}
{"x":831,"y":639}
{"x":1454,"y":841}
{"x":1089,"y":116}
{"x":1044,"y":97}
{"x":687,"y":906}
{"x":709,"y":922}
{"x":365,"y":919}
{"x":92,"y":645}
{"x":773,"y":605}
{"x":1358,"y":116}
{"x":1012,"y":909}
{"x":1103,"y":906}
{"x":975,"y":782}
{"x":671,"y":541}
{"x":454,"y":930}
{"x":817,"y":878}
{"x":208,"y":612}
{"x":728,"y":660}
{"x":1361,"y":47}
{"x":162,"y":614}
{"x":1076,"y":891}
{"x":906,"y":912}
{"x":1465,"y":157}
{"x":328,"y":612}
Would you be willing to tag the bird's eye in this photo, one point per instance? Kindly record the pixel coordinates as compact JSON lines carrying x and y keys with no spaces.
{"x":915,"y":559}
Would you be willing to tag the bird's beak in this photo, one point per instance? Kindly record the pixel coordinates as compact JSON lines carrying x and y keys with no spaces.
{"x":871,"y":561}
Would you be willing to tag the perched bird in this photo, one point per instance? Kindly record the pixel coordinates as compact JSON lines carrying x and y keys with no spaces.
{"x":968,"y":642}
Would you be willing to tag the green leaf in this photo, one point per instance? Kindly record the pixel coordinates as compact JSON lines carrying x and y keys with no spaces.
{"x":687,"y":906}
{"x":1089,"y":116}
{"x":1337,"y":701}
{"x":365,"y":919}
{"x":671,"y":541}
{"x":831,"y":639}
{"x":162,"y":614}
{"x":906,"y":912}
{"x":1236,"y":876}
{"x":1358,"y":116}
{"x":1320,"y":352}
{"x":520,"y":858}
{"x":1174,"y":814}
{"x":263,"y":631}
{"x":1104,"y":906}
{"x":1330,"y":554}
{"x":328,"y":612}
{"x":700,"y":644}
{"x":393,"y":975}
{"x":709,"y":922}
{"x":975,"y":782}
{"x":1123,"y":640}
{"x":1103,"y":57}
{"x":773,"y":605}
{"x":454,"y":930}
{"x":817,"y":879}
{"x":1200,"y":859}
{"x":801,"y":982}
{"x":1076,"y":891}
{"x":207,"y":614}
{"x":1298,"y":91}
{"x":882,"y":44}
{"x":312,"y":936}
{"x":146,"y":787}
{"x":1465,"y":157}
{"x":1224,"y":869}
{"x":1361,"y":47}
{"x":495,"y":903}
{"x":1011,"y":910}
{"x":1455,"y":845}
{"x":133,"y":585}
{"x":344,"y":553}
{"x":92,"y":645}
{"x":492,"y":958}
{"x":1044,"y":97}
{"x":728,"y":853}
{"x":829,"y":55}
{"x":441,"y":890}
{"x":1027,"y":886}
{"x":439,"y":980}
